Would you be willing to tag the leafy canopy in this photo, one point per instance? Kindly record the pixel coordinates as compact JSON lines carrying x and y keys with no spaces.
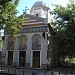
{"x":64,"y":21}
{"x":65,"y":15}
{"x":8,"y":16}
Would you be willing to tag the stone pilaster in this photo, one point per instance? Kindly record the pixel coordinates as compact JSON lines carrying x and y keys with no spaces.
{"x":28,"y":52}
{"x":44,"y":52}
{"x":15,"y":52}
{"x":4,"y":51}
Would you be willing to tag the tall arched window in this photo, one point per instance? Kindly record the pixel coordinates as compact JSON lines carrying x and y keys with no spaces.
{"x":23,"y":43}
{"x":11,"y":43}
{"x":36,"y":42}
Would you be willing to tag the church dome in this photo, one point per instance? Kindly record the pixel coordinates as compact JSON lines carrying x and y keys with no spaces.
{"x":40,"y":3}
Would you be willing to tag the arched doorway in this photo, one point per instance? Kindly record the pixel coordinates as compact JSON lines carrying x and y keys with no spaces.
{"x":10,"y":49}
{"x":36,"y":47}
{"x":22,"y":50}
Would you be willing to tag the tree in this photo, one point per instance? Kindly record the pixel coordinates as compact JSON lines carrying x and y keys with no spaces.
{"x":8,"y":16}
{"x":64,"y":40}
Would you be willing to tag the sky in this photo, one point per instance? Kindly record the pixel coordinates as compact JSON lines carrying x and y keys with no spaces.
{"x":29,"y":4}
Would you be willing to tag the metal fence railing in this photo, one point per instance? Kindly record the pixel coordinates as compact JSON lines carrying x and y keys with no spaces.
{"x":30,"y":71}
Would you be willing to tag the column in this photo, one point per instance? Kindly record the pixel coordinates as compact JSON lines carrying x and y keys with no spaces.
{"x":44,"y":52}
{"x":15,"y":53}
{"x":29,"y":50}
{"x":4,"y":51}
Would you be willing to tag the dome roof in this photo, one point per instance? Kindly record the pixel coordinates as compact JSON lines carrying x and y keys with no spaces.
{"x":40,"y":3}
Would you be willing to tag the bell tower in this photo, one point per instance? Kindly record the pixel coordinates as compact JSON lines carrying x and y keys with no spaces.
{"x":40,"y":9}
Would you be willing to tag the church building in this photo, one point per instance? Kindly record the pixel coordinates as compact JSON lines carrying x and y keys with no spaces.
{"x":30,"y":48}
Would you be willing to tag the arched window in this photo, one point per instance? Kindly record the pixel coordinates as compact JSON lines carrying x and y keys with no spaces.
{"x":23,"y":43}
{"x":11,"y":43}
{"x":36,"y":42}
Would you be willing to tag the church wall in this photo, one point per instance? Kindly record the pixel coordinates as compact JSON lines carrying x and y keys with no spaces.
{"x":31,"y":44}
{"x":29,"y":51}
{"x":43,"y":51}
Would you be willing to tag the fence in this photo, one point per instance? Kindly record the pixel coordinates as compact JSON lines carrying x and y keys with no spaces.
{"x":30,"y":71}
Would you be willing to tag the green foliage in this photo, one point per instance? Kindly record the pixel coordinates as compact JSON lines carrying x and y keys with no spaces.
{"x":64,"y":15}
{"x":70,"y":59}
{"x":64,"y":40}
{"x":8,"y":17}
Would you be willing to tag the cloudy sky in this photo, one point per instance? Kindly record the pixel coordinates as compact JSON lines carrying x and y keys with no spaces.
{"x":29,"y":4}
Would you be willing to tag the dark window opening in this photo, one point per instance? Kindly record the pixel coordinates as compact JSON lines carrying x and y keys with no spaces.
{"x":37,"y":15}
